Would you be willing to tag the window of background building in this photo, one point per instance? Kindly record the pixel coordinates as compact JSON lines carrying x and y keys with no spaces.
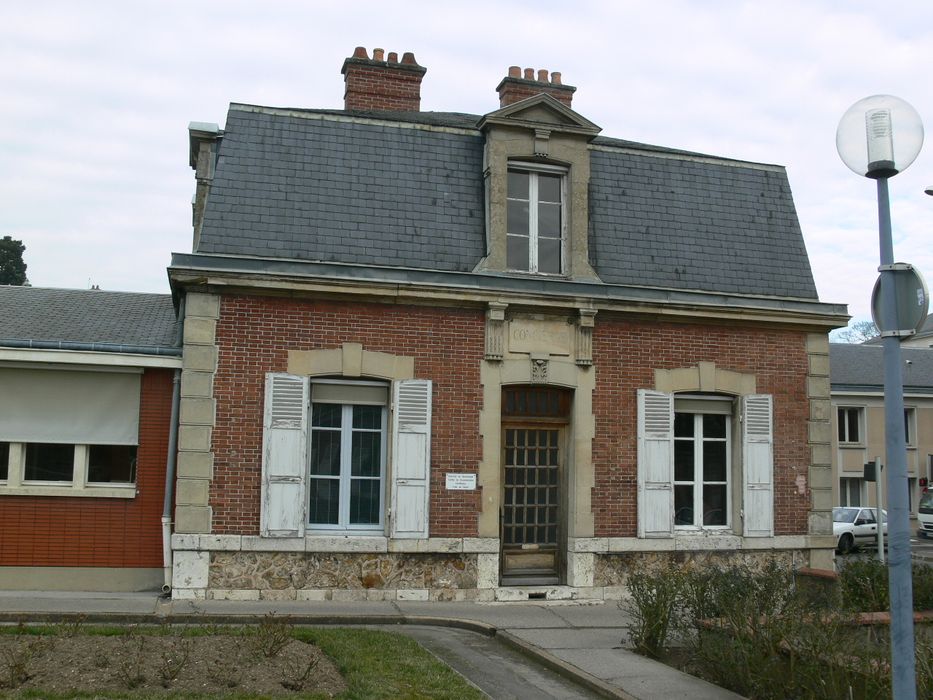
{"x":850,"y":425}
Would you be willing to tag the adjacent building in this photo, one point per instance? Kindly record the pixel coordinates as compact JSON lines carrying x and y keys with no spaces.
{"x":86,"y":382}
{"x":857,"y":374}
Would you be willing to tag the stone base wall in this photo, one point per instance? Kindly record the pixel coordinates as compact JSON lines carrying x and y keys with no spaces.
{"x":612,"y":570}
{"x":294,"y":575}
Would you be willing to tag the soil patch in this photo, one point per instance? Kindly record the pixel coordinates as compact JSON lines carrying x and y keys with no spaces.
{"x":168,"y":665}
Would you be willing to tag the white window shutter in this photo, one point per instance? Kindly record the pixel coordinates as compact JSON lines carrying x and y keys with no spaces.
{"x":655,"y":463}
{"x":411,"y":458}
{"x":284,"y":456}
{"x":758,"y":466}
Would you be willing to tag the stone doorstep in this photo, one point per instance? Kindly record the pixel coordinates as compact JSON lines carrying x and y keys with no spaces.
{"x":536,"y":593}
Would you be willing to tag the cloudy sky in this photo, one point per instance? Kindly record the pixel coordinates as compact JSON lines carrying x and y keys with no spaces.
{"x":95,"y":99}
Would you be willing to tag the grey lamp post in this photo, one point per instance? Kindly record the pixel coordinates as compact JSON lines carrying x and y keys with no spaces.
{"x":877,"y":138}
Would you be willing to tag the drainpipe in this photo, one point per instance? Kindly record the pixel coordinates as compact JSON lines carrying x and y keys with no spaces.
{"x":170,"y":462}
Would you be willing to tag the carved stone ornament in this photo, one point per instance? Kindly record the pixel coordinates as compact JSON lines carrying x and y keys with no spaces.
{"x":539,"y":366}
{"x":495,"y":331}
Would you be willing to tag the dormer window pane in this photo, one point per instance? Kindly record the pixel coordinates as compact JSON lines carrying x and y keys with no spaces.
{"x":549,"y":188}
{"x":518,"y":218}
{"x":518,"y":185}
{"x":517,"y":252}
{"x":549,"y":255}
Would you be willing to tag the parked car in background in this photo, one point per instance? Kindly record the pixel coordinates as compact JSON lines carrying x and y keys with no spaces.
{"x":853,"y":526}
{"x":925,"y":515}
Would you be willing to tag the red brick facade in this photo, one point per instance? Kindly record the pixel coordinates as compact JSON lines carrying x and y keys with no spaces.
{"x":625,"y":355}
{"x":99,"y":532}
{"x":254,"y":335}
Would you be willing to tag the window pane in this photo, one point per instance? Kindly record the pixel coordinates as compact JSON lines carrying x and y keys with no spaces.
{"x":364,"y":501}
{"x":518,"y":185}
{"x":325,"y":415}
{"x":714,"y":425}
{"x":48,"y":462}
{"x":549,"y":220}
{"x":517,"y":212}
{"x":111,"y":464}
{"x":683,"y":460}
{"x":714,"y":505}
{"x":683,"y":425}
{"x":4,"y":460}
{"x":517,"y":255}
{"x":549,"y":255}
{"x":549,"y":188}
{"x":714,"y":460}
{"x":367,"y":417}
{"x":841,"y":424}
{"x":852,"y":419}
{"x":324,"y":502}
{"x":907,"y":438}
{"x":325,"y":453}
{"x":366,"y":457}
{"x":683,"y":505}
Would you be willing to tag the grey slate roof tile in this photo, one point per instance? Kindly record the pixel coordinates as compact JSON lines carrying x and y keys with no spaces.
{"x":862,"y":365}
{"x":86,"y":316}
{"x":388,"y":194}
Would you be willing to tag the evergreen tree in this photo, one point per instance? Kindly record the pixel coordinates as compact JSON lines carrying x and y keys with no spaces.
{"x":12,"y":265}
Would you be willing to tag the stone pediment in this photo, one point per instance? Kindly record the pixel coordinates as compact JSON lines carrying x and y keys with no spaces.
{"x":541,"y":111}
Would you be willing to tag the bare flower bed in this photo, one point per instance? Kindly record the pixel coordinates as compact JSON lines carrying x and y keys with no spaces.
{"x":167,"y":662}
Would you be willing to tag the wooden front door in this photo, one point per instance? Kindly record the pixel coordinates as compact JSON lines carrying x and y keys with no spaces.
{"x":533,"y":440}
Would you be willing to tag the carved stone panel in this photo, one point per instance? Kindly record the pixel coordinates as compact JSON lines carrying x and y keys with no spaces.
{"x":551,"y":336}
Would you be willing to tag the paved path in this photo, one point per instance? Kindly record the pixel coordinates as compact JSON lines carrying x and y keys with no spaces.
{"x":489,"y":643}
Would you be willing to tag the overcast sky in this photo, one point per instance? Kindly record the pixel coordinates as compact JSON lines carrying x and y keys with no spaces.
{"x":95,"y":99}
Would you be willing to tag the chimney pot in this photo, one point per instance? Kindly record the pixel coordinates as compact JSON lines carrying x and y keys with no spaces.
{"x":529,"y":74}
{"x":360,"y":52}
{"x":393,"y":57}
{"x":555,"y":78}
{"x":378,"y":54}
{"x":408,"y":58}
{"x":515,"y":72}
{"x":542,"y":75}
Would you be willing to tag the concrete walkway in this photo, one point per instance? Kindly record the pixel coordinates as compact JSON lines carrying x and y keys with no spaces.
{"x":581,"y":641}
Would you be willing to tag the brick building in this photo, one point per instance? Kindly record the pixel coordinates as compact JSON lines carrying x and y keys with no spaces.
{"x":86,"y":384}
{"x":448,"y":356}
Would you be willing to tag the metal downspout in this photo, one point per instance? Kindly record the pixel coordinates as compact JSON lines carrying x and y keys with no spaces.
{"x":170,"y":463}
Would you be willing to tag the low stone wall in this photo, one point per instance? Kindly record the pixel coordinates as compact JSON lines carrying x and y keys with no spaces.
{"x":291,"y":572}
{"x":612,"y":570}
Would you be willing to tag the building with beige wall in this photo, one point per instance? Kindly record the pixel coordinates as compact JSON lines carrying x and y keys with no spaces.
{"x":857,"y":380}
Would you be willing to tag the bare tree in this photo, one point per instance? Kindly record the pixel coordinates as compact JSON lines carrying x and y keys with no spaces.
{"x":856,"y":332}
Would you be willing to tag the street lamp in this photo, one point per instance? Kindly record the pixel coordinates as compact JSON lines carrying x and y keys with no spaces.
{"x":878,"y":137}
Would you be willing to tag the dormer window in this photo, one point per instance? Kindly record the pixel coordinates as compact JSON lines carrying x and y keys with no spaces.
{"x":536,"y":220}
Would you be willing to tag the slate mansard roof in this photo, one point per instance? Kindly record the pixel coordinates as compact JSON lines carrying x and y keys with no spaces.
{"x":406,"y":190}
{"x":81,"y":319}
{"x":861,"y":368}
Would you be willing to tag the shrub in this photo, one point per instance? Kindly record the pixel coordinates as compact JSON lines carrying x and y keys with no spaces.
{"x":863,"y":585}
{"x":654,"y":606}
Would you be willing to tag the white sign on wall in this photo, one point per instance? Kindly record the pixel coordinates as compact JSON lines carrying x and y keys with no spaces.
{"x":461,"y":482}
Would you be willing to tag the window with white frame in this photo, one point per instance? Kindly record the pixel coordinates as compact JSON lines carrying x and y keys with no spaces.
{"x":325,"y":448}
{"x":910,"y":418}
{"x":849,"y":426}
{"x":347,"y":455}
{"x":850,"y":492}
{"x":68,"y":431}
{"x":536,"y":223}
{"x":702,"y":464}
{"x":686,"y":472}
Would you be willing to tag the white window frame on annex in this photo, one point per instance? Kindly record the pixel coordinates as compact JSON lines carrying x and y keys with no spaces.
{"x":534,"y":170}
{"x":405,"y":481}
{"x":77,"y":407}
{"x":843,"y":437}
{"x":752,"y":420}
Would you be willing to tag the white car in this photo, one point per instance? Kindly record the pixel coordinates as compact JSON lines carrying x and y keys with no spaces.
{"x":853,"y":525}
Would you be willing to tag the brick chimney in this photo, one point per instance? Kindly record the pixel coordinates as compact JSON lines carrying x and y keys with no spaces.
{"x":375,"y":84}
{"x":516,"y":86}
